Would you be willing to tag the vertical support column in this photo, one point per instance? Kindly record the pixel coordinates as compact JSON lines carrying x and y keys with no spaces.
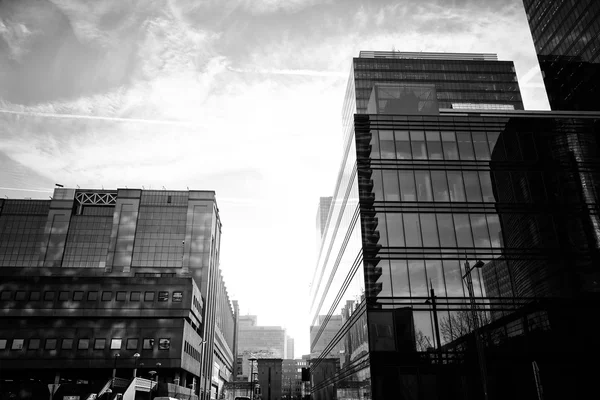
{"x":120,"y":250}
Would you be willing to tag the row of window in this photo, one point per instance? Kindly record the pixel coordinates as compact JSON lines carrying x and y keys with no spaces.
{"x":79,"y":295}
{"x":189,"y":349}
{"x":84,"y":344}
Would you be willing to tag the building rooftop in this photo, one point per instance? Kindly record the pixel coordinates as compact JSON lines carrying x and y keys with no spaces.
{"x":429,"y":55}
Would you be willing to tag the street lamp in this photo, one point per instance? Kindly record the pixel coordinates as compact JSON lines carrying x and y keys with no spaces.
{"x":136,"y":357}
{"x":152,"y":373}
{"x":480,"y":355}
{"x":201,"y":387}
{"x":114,"y":375}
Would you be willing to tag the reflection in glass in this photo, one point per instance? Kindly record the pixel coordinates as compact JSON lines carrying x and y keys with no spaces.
{"x":395,"y":230}
{"x":382,"y":228}
{"x":472,"y":186}
{"x":383,"y":279}
{"x":417,"y":140}
{"x":407,"y":185}
{"x":400,"y":281}
{"x":453,"y":277}
{"x":434,"y":145}
{"x":390,"y":186}
{"x":486,"y":186}
{"x":440,"y":186}
{"x":377,"y":184}
{"x":463,"y":230}
{"x":465,"y":146}
{"x":482,"y":151}
{"x":492,"y":139}
{"x":429,"y":230}
{"x":480,"y":230}
{"x":450,"y":147}
{"x":424,"y":192}
{"x":494,"y":229}
{"x":375,"y":144}
{"x":423,"y":330}
{"x":402,"y":145}
{"x":435,"y":275}
{"x":412,"y":230}
{"x":418,"y":278}
{"x":386,"y":144}
{"x":446,"y":229}
{"x":455,"y":183}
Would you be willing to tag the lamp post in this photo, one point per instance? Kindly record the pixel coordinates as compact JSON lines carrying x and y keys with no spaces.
{"x":200,"y":386}
{"x":151,"y":373}
{"x":136,"y":357}
{"x":114,"y":374}
{"x":480,"y":355}
{"x":252,"y":359}
{"x":431,"y":301}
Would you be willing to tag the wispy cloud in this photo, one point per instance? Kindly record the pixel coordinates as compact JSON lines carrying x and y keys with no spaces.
{"x":302,"y":72}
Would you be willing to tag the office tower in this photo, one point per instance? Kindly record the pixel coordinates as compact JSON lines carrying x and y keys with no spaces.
{"x":566,"y":35}
{"x":426,"y":190}
{"x":270,"y":378}
{"x":289,"y":350}
{"x":95,"y":283}
{"x":291,"y":383}
{"x":256,"y":341}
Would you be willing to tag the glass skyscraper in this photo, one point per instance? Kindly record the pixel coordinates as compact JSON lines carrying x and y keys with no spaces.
{"x":426,"y":189}
{"x":566,"y":35}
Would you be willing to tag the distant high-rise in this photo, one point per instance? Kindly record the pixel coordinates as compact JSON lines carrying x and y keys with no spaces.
{"x":289,"y":350}
{"x":566,"y":35}
{"x":259,"y":342}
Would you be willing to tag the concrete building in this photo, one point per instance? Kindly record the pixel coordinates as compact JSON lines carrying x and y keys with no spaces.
{"x":104,"y":283}
{"x":293,"y":388}
{"x":289,"y":351}
{"x":269,"y":378}
{"x":255,"y":341}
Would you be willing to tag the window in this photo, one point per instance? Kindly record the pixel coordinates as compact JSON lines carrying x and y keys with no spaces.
{"x":463,"y":230}
{"x":429,"y":228}
{"x":99,"y":344}
{"x":20,"y":295}
{"x":446,"y":229}
{"x":148,"y":344}
{"x":440,"y":186}
{"x":390,"y":186}
{"x":50,"y":344}
{"x":135,"y":296}
{"x":3,"y":343}
{"x":482,"y":151}
{"x":424,"y":192}
{"x":164,"y":344}
{"x":63,"y":296}
{"x":465,"y":146}
{"x":17,"y":344}
{"x":77,"y":295}
{"x":449,"y":145}
{"x":412,"y":230}
{"x":434,"y":145}
{"x":163,"y":296}
{"x":486,"y":186}
{"x":394,"y":229}
{"x":456,"y":185}
{"x":92,"y":296}
{"x":48,"y":296}
{"x":6,"y":295}
{"x":106,"y":296}
{"x":67,"y":344}
{"x":472,"y":188}
{"x":417,"y":141}
{"x":177,"y":297}
{"x":407,"y":185}
{"x":386,"y":140}
{"x":121,"y":296}
{"x":115,"y":344}
{"x":132,"y":344}
{"x":34,"y":344}
{"x":149,"y":296}
{"x":35,"y":296}
{"x":402,"y":145}
{"x":83,"y":344}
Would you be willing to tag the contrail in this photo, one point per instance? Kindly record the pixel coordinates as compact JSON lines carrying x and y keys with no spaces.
{"x":99,"y":118}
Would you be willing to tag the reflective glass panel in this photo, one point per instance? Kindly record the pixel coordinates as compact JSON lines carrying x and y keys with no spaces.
{"x":463,"y":230}
{"x":395,"y":230}
{"x":407,"y":185}
{"x":412,"y":230}
{"x":435,"y":275}
{"x":465,"y":146}
{"x":486,"y":186}
{"x":434,"y":145}
{"x":494,"y":229}
{"x":400,"y":281}
{"x":455,"y":183}
{"x":481,"y":236}
{"x":418,"y":279}
{"x":385,"y":289}
{"x":390,"y":186}
{"x":375,"y":144}
{"x":453,"y":275}
{"x":417,"y":141}
{"x":480,"y":143}
{"x":386,"y":144}
{"x":402,"y":145}
{"x":423,"y":181}
{"x":449,"y":145}
{"x":377,"y":184}
{"x":446,"y":229}
{"x":440,"y":186}
{"x":429,"y":230}
{"x":472,"y":188}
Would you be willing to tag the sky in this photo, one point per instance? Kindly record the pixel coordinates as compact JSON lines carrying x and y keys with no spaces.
{"x":242,"y":97}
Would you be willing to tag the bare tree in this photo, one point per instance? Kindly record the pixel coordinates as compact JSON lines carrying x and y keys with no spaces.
{"x":461,"y":323}
{"x":423,"y":341}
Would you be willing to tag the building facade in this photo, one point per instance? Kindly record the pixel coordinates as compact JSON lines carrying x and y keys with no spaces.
{"x":269,"y":378}
{"x":566,"y":35}
{"x":256,"y":341}
{"x":423,"y":193}
{"x":293,"y":388}
{"x":92,"y":278}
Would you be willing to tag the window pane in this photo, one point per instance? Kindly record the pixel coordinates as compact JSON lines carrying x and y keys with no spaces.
{"x":480,"y":230}
{"x":132,"y":344}
{"x":472,"y":186}
{"x":395,"y":230}
{"x":455,"y":183}
{"x":375,"y":145}
{"x":400,"y":282}
{"x":164,"y":344}
{"x":412,"y":230}
{"x":67,"y":344}
{"x":453,"y":275}
{"x":121,"y":296}
{"x":377,"y":184}
{"x":148,"y":344}
{"x":446,"y":229}
{"x":115,"y":344}
{"x":77,"y":295}
{"x":434,"y":145}
{"x":35,"y":296}
{"x":106,"y":296}
{"x":34,"y":344}
{"x":407,"y":185}
{"x":390,"y":186}
{"x":83,"y":344}
{"x":386,"y":144}
{"x":492,"y":139}
{"x":3,"y":343}
{"x":424,"y":191}
{"x":135,"y":296}
{"x":494,"y":229}
{"x":17,"y":344}
{"x":450,"y":147}
{"x":440,"y":186}
{"x":418,"y":279}
{"x":51,"y":344}
{"x":417,"y":140}
{"x":378,"y":279}
{"x":177,"y":297}
{"x":92,"y":296}
{"x":402,"y":145}
{"x":63,"y":296}
{"x":6,"y":295}
{"x":99,"y":344}
{"x":435,"y":275}
{"x":486,"y":186}
{"x":465,"y":146}
{"x":429,"y":228}
{"x":20,"y":295}
{"x":382,"y":228}
{"x":48,"y":296}
{"x":463,"y":230}
{"x":482,"y":150}
{"x":163,"y":296}
{"x":149,"y":296}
